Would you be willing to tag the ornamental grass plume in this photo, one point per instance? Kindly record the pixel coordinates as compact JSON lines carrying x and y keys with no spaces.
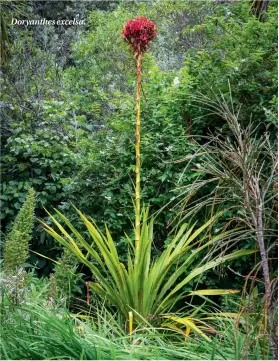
{"x":138,"y":33}
{"x":16,"y":248}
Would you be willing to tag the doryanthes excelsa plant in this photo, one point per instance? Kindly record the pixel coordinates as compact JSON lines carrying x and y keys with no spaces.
{"x":145,"y":288}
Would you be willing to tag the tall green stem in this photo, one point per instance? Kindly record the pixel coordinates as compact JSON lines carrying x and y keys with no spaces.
{"x":137,"y":222}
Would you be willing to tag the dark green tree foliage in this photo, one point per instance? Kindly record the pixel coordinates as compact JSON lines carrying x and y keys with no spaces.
{"x":16,"y":246}
{"x":242,"y":50}
{"x":8,"y":10}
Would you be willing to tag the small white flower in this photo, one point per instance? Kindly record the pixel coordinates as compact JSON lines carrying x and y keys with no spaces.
{"x":175,"y":81}
{"x":108,"y":198}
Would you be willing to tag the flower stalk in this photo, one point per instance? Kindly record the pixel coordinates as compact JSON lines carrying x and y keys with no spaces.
{"x":138,"y":33}
{"x":137,"y":186}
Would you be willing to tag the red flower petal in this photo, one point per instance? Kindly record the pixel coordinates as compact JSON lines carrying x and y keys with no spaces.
{"x":138,"y":33}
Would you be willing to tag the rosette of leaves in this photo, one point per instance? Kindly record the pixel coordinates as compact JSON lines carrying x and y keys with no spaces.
{"x":148,"y":286}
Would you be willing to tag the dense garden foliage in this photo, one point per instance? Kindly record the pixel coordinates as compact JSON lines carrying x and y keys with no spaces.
{"x":198,"y":278}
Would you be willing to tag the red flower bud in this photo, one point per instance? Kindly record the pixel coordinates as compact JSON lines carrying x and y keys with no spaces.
{"x":138,"y":33}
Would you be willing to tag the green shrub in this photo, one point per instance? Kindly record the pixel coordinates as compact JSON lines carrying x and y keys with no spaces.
{"x":64,"y":280}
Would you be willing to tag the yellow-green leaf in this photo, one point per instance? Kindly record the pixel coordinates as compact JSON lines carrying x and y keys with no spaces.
{"x":216,"y":292}
{"x":187,"y":322}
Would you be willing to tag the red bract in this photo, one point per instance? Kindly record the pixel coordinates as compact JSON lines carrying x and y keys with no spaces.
{"x":138,"y":33}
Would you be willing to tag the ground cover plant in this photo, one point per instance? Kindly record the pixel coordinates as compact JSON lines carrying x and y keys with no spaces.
{"x":139,"y":181}
{"x":41,"y":334}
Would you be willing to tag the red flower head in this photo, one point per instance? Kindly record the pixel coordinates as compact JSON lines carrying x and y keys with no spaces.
{"x":138,"y":33}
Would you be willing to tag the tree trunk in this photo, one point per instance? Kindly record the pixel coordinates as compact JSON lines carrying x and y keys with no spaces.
{"x":259,"y":7}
